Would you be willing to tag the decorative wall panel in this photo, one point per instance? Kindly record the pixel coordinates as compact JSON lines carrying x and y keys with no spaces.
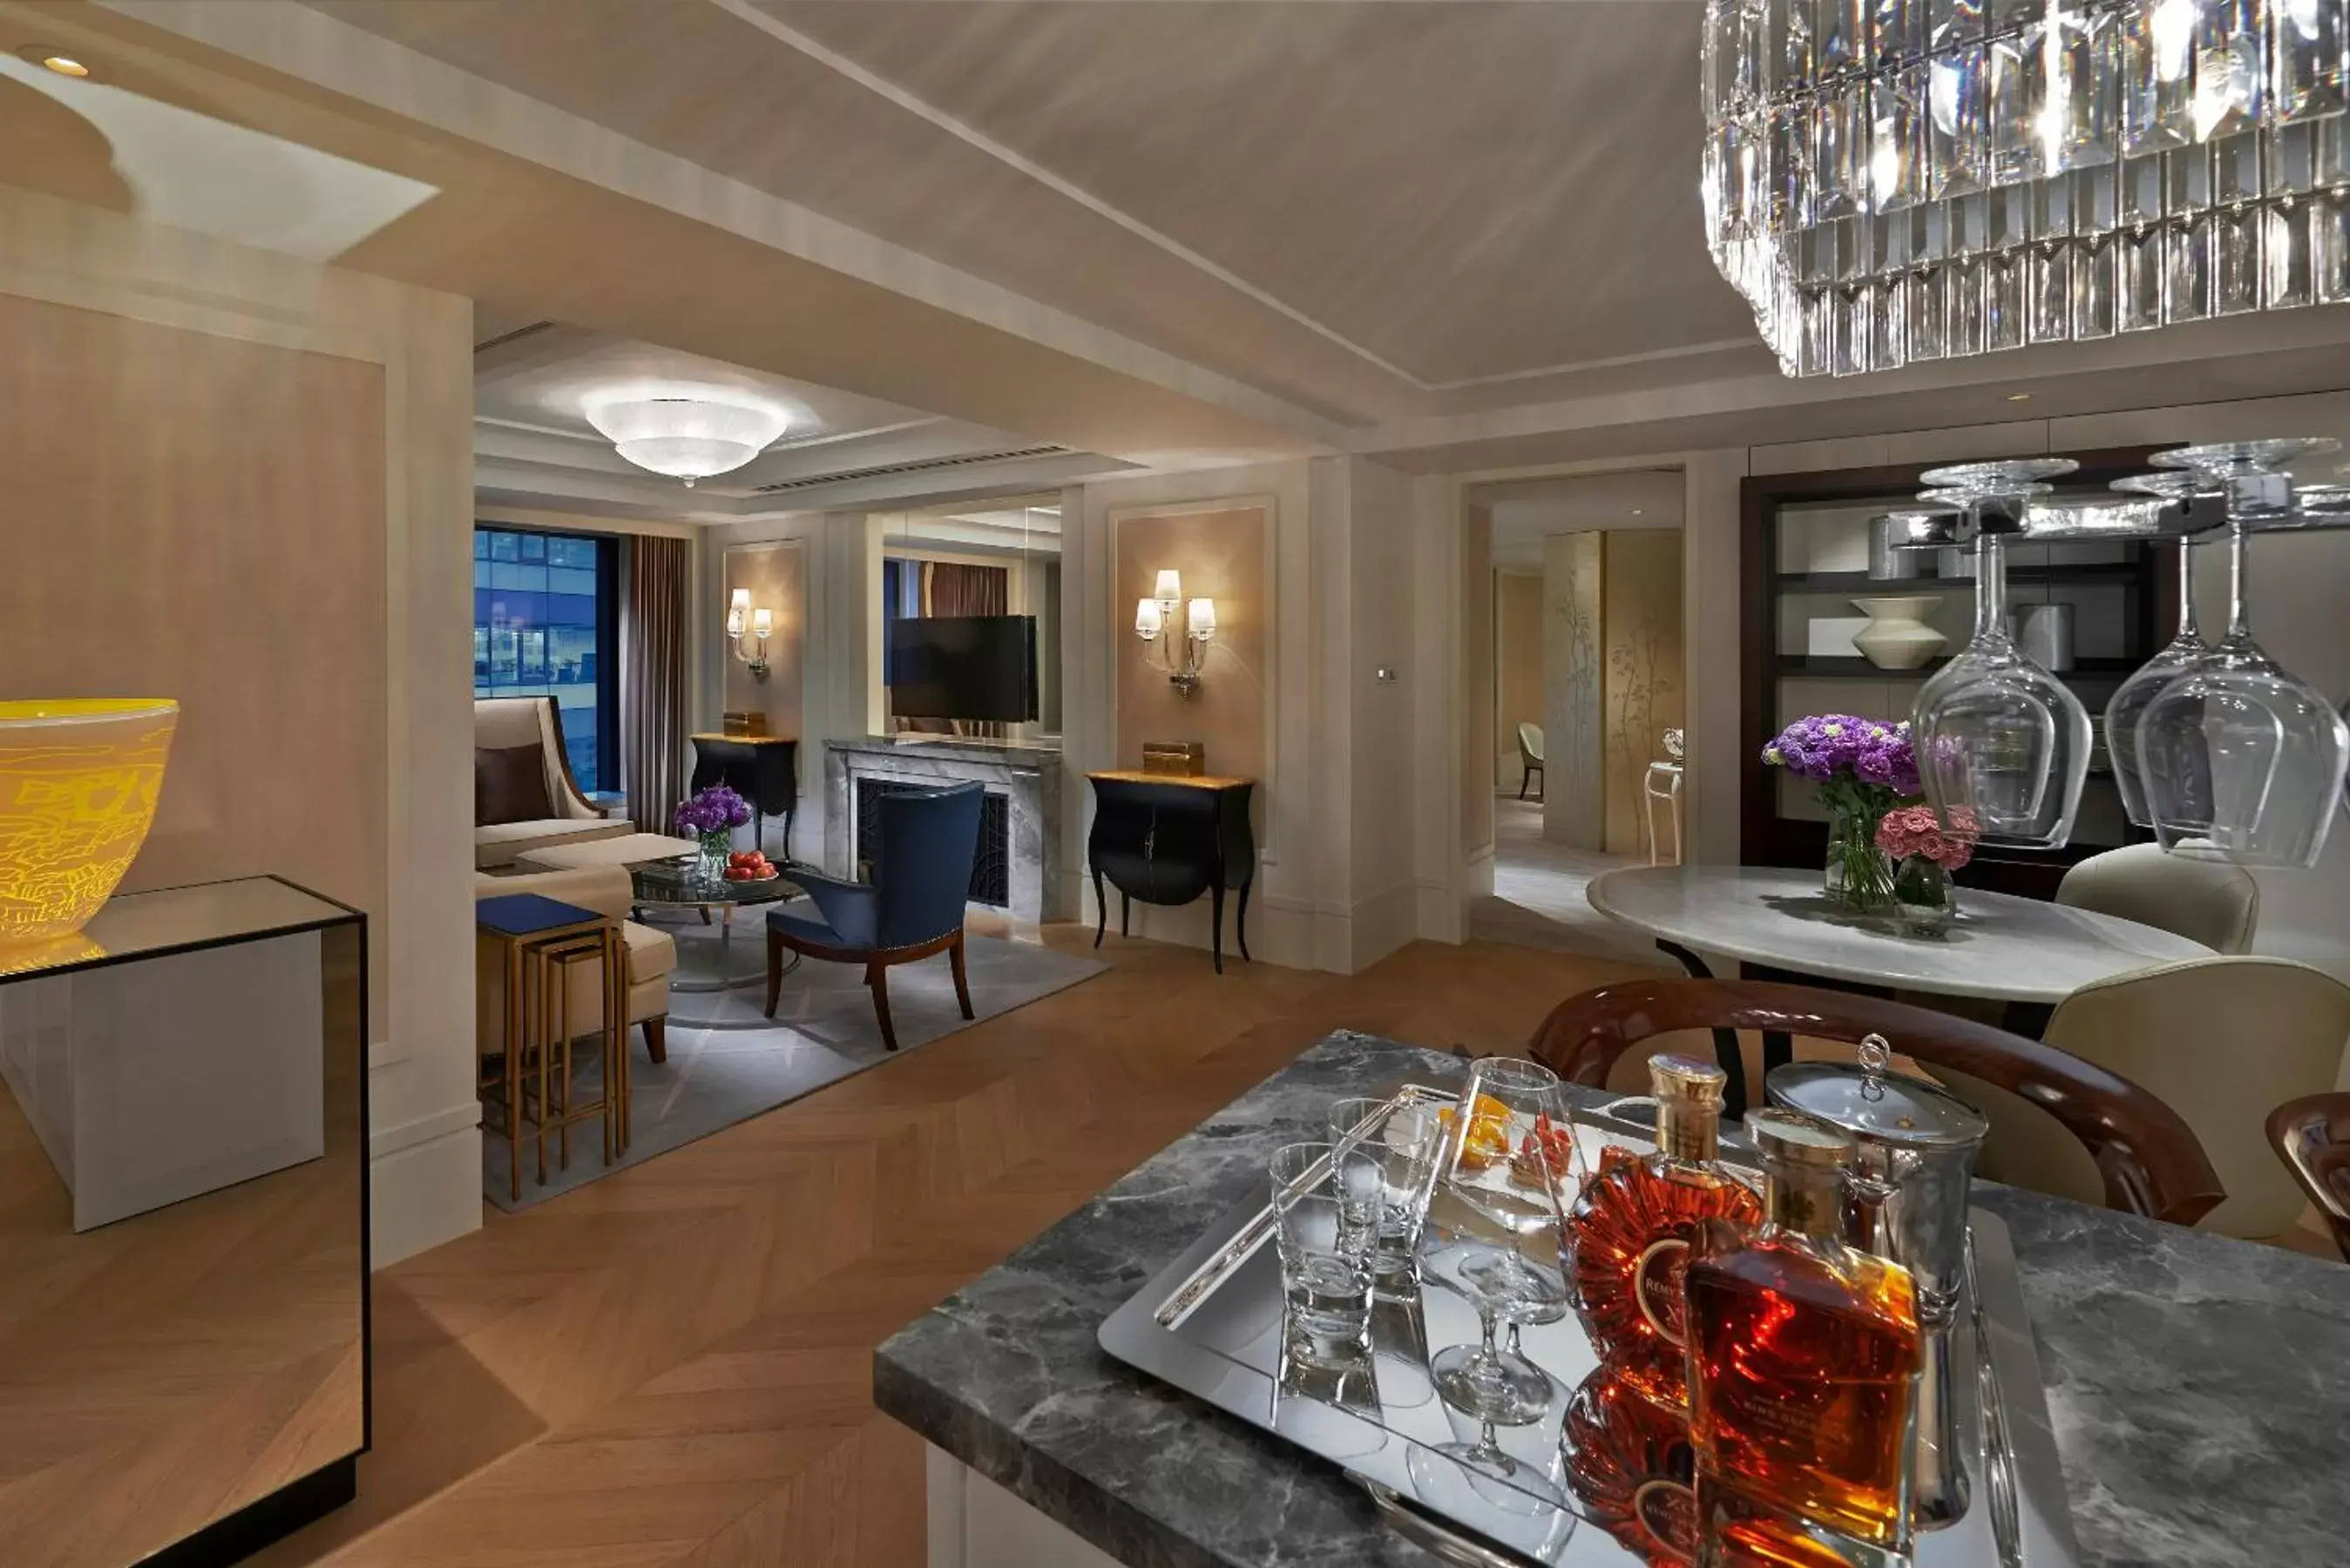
{"x":1640,"y":617}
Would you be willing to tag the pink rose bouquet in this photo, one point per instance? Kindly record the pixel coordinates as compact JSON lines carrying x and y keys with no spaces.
{"x":1914,"y":830}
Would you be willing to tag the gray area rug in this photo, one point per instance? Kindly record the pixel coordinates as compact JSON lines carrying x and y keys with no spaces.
{"x":728,"y":1062}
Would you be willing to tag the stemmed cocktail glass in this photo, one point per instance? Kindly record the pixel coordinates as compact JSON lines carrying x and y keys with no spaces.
{"x":2240,"y":760}
{"x":2002,"y":745}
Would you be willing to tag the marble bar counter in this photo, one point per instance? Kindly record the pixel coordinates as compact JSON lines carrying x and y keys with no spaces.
{"x":1020,"y":836}
{"x":2198,"y":1386}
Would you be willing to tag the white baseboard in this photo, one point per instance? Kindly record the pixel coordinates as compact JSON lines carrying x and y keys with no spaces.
{"x":427,"y":1183}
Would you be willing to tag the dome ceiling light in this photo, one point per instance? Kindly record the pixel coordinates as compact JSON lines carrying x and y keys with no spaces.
{"x":687,"y":438}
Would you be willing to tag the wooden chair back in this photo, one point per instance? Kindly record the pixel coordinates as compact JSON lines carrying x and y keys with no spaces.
{"x":2147,"y":1155}
{"x":2311,"y":1135}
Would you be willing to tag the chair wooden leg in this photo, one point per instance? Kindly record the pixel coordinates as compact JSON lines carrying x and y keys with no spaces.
{"x":877,"y":976}
{"x":961,"y":978}
{"x":1526,"y":781}
{"x":705,"y":914}
{"x":657,"y":1036}
{"x":774,"y":972}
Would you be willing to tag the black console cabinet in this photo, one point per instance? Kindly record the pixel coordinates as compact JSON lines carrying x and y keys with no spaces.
{"x":763,"y":769}
{"x":1166,"y":839}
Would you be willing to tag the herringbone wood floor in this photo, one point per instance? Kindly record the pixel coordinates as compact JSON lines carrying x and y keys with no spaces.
{"x":672,"y":1366}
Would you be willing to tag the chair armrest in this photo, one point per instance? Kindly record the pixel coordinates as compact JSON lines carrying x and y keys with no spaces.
{"x":852,"y":908}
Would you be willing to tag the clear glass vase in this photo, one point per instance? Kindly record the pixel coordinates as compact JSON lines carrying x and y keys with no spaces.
{"x":1925,"y":899}
{"x":710,"y":865}
{"x":1858,"y":875}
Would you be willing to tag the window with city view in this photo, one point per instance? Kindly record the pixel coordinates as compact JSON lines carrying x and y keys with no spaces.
{"x":543,"y":626}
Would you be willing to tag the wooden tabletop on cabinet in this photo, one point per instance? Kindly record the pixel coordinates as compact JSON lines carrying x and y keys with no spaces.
{"x":746,"y":740}
{"x":1190,"y":781}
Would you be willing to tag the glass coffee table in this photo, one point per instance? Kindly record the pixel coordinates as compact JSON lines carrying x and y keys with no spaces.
{"x":659,"y":886}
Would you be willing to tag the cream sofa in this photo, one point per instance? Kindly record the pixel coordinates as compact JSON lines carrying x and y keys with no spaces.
{"x":501,"y":724}
{"x":651,"y":955}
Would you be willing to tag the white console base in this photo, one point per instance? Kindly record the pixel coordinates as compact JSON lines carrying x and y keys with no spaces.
{"x":975,"y":1523}
{"x":151,"y":1082}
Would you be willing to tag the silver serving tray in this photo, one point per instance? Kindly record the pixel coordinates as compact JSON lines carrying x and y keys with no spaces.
{"x":1211,"y":1323}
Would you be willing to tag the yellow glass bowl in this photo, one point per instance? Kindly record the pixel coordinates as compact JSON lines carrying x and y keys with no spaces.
{"x":78,"y":778}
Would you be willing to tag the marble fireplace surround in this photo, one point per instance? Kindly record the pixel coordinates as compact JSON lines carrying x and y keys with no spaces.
{"x":1028,"y":778}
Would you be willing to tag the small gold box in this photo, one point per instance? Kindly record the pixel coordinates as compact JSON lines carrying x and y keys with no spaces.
{"x":747,"y":723}
{"x":1184,"y":759}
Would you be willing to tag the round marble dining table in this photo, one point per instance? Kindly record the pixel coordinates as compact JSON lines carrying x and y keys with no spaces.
{"x":2001,"y":947}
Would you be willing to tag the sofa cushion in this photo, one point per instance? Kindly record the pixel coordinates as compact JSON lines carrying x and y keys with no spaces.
{"x":652,"y":953}
{"x":496,"y":844}
{"x":510,"y":784}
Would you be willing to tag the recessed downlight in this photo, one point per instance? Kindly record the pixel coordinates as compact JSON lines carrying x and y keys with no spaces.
{"x":2019,"y":397}
{"x":65,"y":62}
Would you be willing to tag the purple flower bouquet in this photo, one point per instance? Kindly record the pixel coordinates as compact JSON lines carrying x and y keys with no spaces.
{"x":1864,"y":768}
{"x":711,"y":816}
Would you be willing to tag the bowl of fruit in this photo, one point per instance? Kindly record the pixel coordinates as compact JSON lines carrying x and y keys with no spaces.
{"x":750,"y":866}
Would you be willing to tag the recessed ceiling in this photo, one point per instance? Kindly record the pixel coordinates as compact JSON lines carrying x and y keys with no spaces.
{"x":1362,"y":206}
{"x":533,"y":445}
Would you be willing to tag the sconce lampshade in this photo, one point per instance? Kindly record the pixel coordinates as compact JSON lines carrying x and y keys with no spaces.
{"x":737,"y":608}
{"x":1202,"y":620}
{"x":1150,"y":620}
{"x":763,"y":622}
{"x":1170,"y":587}
{"x":79,"y":779}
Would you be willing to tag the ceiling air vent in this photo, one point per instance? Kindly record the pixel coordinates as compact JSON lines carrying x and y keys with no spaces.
{"x":927,"y":465}
{"x":528,"y":329}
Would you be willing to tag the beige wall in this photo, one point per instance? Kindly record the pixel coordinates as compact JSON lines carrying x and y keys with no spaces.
{"x":245,"y":481}
{"x":1517,"y":667}
{"x":776,"y":574}
{"x":1574,"y":789}
{"x":1221,"y":552}
{"x":201,"y":518}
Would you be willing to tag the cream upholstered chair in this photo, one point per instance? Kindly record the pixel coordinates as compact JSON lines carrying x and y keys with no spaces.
{"x":2206,"y":901}
{"x":502,"y":723}
{"x":2222,"y":1040}
{"x":651,"y":956}
{"x":1530,"y":757}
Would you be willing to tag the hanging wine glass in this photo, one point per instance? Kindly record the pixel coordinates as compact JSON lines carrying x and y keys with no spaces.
{"x":2002,"y":745}
{"x":2128,"y":705}
{"x":1495,"y":1229}
{"x":2240,"y":760}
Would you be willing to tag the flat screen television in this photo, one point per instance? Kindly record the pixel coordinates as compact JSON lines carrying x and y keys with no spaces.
{"x":963,"y":667}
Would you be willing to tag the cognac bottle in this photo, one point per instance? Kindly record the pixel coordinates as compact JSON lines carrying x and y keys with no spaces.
{"x":1802,"y":1369}
{"x":1629,"y":1235}
{"x":1629,"y":1464}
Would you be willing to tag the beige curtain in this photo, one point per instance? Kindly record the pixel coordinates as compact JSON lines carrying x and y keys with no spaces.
{"x":652,"y":678}
{"x":952,"y":589}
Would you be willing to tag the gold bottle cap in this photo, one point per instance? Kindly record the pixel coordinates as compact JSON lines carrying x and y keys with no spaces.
{"x":1687,"y":1078}
{"x":1800,"y":1140}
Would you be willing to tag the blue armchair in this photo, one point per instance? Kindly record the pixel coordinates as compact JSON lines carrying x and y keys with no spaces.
{"x":925,"y":842}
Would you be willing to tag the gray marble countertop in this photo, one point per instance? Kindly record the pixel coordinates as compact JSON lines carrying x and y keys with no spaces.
{"x":2199,"y":1386}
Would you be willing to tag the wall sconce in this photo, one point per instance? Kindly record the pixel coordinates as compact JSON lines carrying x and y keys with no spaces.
{"x":747,"y":624}
{"x":1154,"y":619}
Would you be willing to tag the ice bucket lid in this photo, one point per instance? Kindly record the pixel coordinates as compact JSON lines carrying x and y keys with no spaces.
{"x":1877,"y":1105}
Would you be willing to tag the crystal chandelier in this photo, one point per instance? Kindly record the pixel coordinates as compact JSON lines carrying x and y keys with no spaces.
{"x":1894,"y":182}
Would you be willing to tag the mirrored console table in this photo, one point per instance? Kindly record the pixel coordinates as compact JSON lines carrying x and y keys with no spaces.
{"x":183,"y":1226}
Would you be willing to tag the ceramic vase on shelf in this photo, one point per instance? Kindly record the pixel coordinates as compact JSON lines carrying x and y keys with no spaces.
{"x":78,"y":781}
{"x":1897,"y":636}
